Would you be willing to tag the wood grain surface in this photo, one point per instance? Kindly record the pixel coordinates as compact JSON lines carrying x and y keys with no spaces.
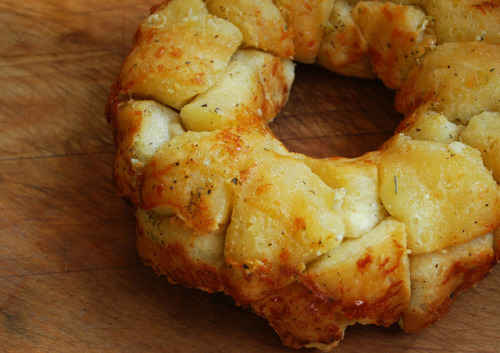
{"x":70,"y":277}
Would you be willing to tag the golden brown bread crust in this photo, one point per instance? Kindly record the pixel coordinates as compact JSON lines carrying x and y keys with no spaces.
{"x":378,"y":260}
{"x":440,"y":276}
{"x":313,"y":245}
{"x":306,"y":21}
{"x":398,"y":37}
{"x":459,"y":80}
{"x":344,"y":49}
{"x":166,"y":246}
{"x":300,"y":317}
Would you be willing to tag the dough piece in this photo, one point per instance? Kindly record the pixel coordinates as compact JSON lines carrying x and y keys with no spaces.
{"x":483,"y":133}
{"x":443,"y":193}
{"x":458,"y":80}
{"x":438,"y":277}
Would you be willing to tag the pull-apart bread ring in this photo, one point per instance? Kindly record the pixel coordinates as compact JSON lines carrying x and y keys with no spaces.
{"x":313,"y":245}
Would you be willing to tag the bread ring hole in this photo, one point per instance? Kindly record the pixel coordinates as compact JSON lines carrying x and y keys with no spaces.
{"x":330,"y":115}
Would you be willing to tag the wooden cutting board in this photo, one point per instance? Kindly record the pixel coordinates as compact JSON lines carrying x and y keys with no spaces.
{"x":70,"y":278}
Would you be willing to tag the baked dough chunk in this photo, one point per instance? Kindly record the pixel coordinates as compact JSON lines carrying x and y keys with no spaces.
{"x":284,"y":216}
{"x":344,"y":49}
{"x":313,"y":245}
{"x":183,"y":256}
{"x":464,"y":20}
{"x":398,"y":38}
{"x":168,"y":13}
{"x":174,"y":62}
{"x":260,"y":22}
{"x":378,"y":260}
{"x":183,"y":179}
{"x":142,"y":127}
{"x":443,"y":193}
{"x":303,"y":318}
{"x":334,"y":291}
{"x":459,"y":80}
{"x":362,"y":206}
{"x":483,"y":133}
{"x":254,"y":87}
{"x":438,"y":277}
{"x":427,"y":125}
{"x":306,"y":20}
